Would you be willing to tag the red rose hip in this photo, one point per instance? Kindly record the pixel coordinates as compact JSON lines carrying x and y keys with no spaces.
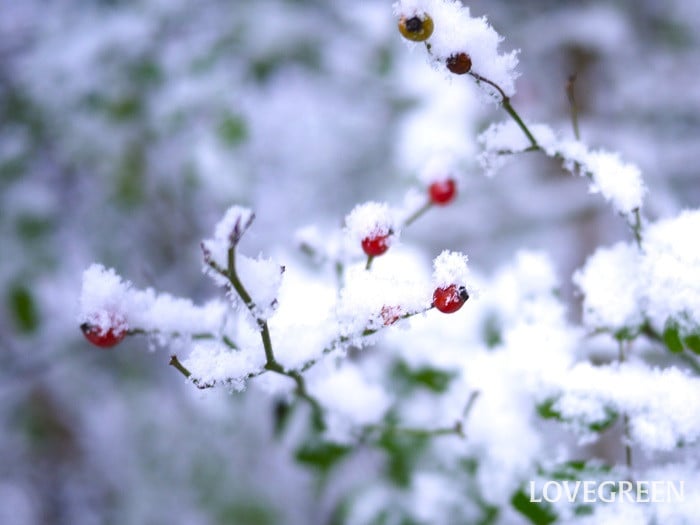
{"x":450,"y":299}
{"x":375,"y":244}
{"x":103,"y":339}
{"x":442,"y":192}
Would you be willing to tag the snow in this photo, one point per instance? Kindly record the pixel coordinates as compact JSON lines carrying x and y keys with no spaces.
{"x":371,"y":219}
{"x":440,"y":168}
{"x":662,"y":404}
{"x":671,"y":270}
{"x":105,"y":294}
{"x":212,"y":363}
{"x":456,"y":31}
{"x":612,"y":288}
{"x":617,"y":181}
{"x":351,"y":399}
{"x":451,"y":268}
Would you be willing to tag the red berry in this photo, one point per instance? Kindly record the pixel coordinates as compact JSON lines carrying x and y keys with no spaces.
{"x":105,"y":338}
{"x":443,"y":191}
{"x":390,"y":314}
{"x":449,"y":300}
{"x":375,"y":244}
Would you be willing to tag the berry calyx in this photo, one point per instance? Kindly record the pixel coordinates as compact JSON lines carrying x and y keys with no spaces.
{"x":459,"y":63}
{"x":450,"y":299}
{"x":416,"y":28}
{"x":376,"y":244}
{"x":442,"y":192}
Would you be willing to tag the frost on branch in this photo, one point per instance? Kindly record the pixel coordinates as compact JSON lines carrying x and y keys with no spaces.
{"x":372,"y":299}
{"x":262,"y":277}
{"x":105,"y":294}
{"x":617,"y":181}
{"x":456,"y":31}
{"x":212,"y":362}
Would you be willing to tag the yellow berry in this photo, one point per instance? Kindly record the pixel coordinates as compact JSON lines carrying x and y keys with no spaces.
{"x":416,"y":28}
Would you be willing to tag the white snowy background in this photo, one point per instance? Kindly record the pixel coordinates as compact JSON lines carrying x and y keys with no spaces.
{"x":129,"y":128}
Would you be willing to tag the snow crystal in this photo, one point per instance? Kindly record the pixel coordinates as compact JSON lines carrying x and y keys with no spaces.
{"x":371,"y":219}
{"x":451,"y":268}
{"x":619,"y":182}
{"x":610,"y":283}
{"x":456,"y":31}
{"x":671,"y":270}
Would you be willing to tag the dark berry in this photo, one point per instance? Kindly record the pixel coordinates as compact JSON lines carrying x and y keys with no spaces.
{"x":459,"y":63}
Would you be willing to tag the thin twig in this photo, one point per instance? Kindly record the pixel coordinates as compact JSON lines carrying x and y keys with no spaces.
{"x":505,"y":102}
{"x":570,"y":84}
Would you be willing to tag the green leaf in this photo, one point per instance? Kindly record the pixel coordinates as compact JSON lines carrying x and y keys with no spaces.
{"x":23,"y":307}
{"x":672,"y":338}
{"x":403,"y":451}
{"x":693,"y":342}
{"x":492,"y":331}
{"x":539,"y":513}
{"x":232,"y":130}
{"x":321,"y":455}
{"x":546,"y":410}
{"x":432,"y":379}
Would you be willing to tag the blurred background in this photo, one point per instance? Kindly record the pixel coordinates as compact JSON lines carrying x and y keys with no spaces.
{"x":127,"y":128}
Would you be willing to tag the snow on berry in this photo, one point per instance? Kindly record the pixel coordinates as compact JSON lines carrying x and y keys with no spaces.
{"x":456,"y":31}
{"x":103,"y":337}
{"x":440,"y":175}
{"x":373,"y":225}
{"x":105,"y":295}
{"x":450,"y":268}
